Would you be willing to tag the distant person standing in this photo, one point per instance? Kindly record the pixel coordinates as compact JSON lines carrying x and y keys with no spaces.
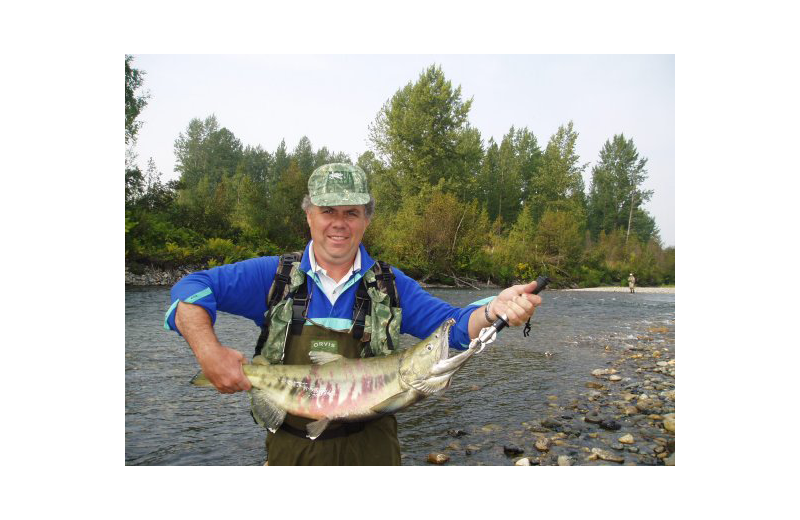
{"x":631,"y":282}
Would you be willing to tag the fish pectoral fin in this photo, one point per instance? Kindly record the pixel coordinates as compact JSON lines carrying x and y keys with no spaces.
{"x":266,"y":412}
{"x":319,"y":357}
{"x":396,"y":402}
{"x":433,"y":384}
{"x":316,"y":428}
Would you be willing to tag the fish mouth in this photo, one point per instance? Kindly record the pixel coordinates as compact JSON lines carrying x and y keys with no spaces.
{"x":447,"y":366}
{"x":444,"y":339}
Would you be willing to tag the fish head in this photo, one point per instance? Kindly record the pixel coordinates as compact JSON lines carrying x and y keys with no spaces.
{"x":418,"y":361}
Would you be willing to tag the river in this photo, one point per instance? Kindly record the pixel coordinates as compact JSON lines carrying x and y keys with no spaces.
{"x":494,"y":400}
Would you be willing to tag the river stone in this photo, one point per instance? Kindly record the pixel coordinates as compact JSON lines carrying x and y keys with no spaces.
{"x":456,"y":432}
{"x":437,"y":458}
{"x":614,"y":378}
{"x":596,"y":386}
{"x":603,"y":372}
{"x":524,"y":461}
{"x":626,"y":439}
{"x":607,"y":455}
{"x":593,"y":417}
{"x":512,"y":450}
{"x":670,"y":461}
{"x":551,"y":424}
{"x":610,"y":424}
{"x":662,"y":363}
{"x":564,"y":460}
{"x":669,"y":422}
{"x":542,"y":444}
{"x":630,"y":410}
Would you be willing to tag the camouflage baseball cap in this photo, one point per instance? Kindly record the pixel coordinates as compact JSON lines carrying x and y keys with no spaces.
{"x":338,"y":184}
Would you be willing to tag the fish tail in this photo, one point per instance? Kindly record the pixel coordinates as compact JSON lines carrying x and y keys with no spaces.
{"x":200,"y":380}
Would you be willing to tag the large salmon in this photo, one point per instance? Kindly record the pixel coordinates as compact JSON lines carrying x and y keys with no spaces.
{"x":335,"y":388}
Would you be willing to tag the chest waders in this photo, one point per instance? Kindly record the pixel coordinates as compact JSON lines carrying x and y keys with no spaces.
{"x":285,"y":338}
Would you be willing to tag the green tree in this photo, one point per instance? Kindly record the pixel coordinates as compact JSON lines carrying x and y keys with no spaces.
{"x":281,"y":161}
{"x":206,"y":150}
{"x":616,"y":194}
{"x":256,"y":163}
{"x":488,"y":188}
{"x":286,"y":222}
{"x":303,"y":155}
{"x":559,"y":238}
{"x":442,"y":251}
{"x":560,"y":176}
{"x":422,"y":134}
{"x":384,"y":184}
{"x":324,"y":156}
{"x":134,"y":101}
{"x":156,"y":195}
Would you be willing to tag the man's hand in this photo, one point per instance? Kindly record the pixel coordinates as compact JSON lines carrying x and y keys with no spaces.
{"x":517,"y":303}
{"x":221,"y":365}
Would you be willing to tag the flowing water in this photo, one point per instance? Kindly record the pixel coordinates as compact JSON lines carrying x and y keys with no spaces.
{"x":513,"y":381}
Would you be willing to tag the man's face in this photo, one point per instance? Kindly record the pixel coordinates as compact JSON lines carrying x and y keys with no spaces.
{"x":337,"y":232}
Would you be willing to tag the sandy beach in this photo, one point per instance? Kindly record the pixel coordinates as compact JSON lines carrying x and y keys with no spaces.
{"x":663,"y":290}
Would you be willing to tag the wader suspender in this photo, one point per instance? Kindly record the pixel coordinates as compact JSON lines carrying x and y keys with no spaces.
{"x":277,"y":293}
{"x":384,"y":282}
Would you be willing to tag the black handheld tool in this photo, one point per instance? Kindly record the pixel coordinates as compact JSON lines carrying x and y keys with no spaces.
{"x":500,"y":323}
{"x":488,"y":334}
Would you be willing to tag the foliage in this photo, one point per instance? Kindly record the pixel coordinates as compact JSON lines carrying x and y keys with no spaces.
{"x":616,"y":195}
{"x":449,"y":207}
{"x":422,"y":136}
{"x":134,"y":102}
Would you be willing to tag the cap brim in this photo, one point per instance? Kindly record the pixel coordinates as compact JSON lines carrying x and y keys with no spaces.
{"x":352,"y":199}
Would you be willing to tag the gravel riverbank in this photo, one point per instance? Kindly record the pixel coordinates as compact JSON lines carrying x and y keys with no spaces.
{"x":622,"y":414}
{"x":643,"y":290}
{"x":625,"y":415}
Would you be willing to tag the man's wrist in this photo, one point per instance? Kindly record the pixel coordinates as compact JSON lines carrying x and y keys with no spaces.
{"x":486,"y":315}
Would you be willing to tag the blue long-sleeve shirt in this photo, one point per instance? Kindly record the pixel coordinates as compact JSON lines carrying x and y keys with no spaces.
{"x":241,"y":289}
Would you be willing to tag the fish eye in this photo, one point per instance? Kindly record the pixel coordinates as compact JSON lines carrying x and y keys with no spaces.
{"x":430,"y":347}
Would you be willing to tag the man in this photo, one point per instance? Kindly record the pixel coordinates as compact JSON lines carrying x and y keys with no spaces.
{"x":631,"y":282}
{"x":335,"y":298}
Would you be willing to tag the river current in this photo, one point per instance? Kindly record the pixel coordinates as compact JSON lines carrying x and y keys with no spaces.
{"x":170,"y":422}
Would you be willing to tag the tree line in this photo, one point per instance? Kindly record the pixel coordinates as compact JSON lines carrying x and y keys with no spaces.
{"x":450,"y":208}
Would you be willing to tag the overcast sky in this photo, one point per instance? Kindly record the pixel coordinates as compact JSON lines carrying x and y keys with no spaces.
{"x":332,"y":99}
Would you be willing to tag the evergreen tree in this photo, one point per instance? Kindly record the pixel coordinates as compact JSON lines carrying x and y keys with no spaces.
{"x":206,"y":150}
{"x":489,"y":192}
{"x":559,"y":179}
{"x":134,"y":103}
{"x":616,"y":194}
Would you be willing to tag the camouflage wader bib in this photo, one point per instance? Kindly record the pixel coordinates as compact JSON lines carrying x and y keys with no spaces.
{"x":377,"y":314}
{"x":286,"y":339}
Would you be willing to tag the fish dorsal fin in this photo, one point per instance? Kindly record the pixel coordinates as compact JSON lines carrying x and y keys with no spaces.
{"x":316,"y":428}
{"x":265,"y":411}
{"x":260,"y":360}
{"x":319,"y":357}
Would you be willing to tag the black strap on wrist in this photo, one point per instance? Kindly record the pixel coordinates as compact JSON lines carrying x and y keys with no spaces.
{"x":486,"y":314}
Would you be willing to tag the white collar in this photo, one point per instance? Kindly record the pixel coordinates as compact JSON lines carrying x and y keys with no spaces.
{"x":316,"y":268}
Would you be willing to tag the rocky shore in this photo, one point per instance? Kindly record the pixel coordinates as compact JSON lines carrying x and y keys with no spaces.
{"x":153,"y":276}
{"x":156,"y":276}
{"x":624,"y":414}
